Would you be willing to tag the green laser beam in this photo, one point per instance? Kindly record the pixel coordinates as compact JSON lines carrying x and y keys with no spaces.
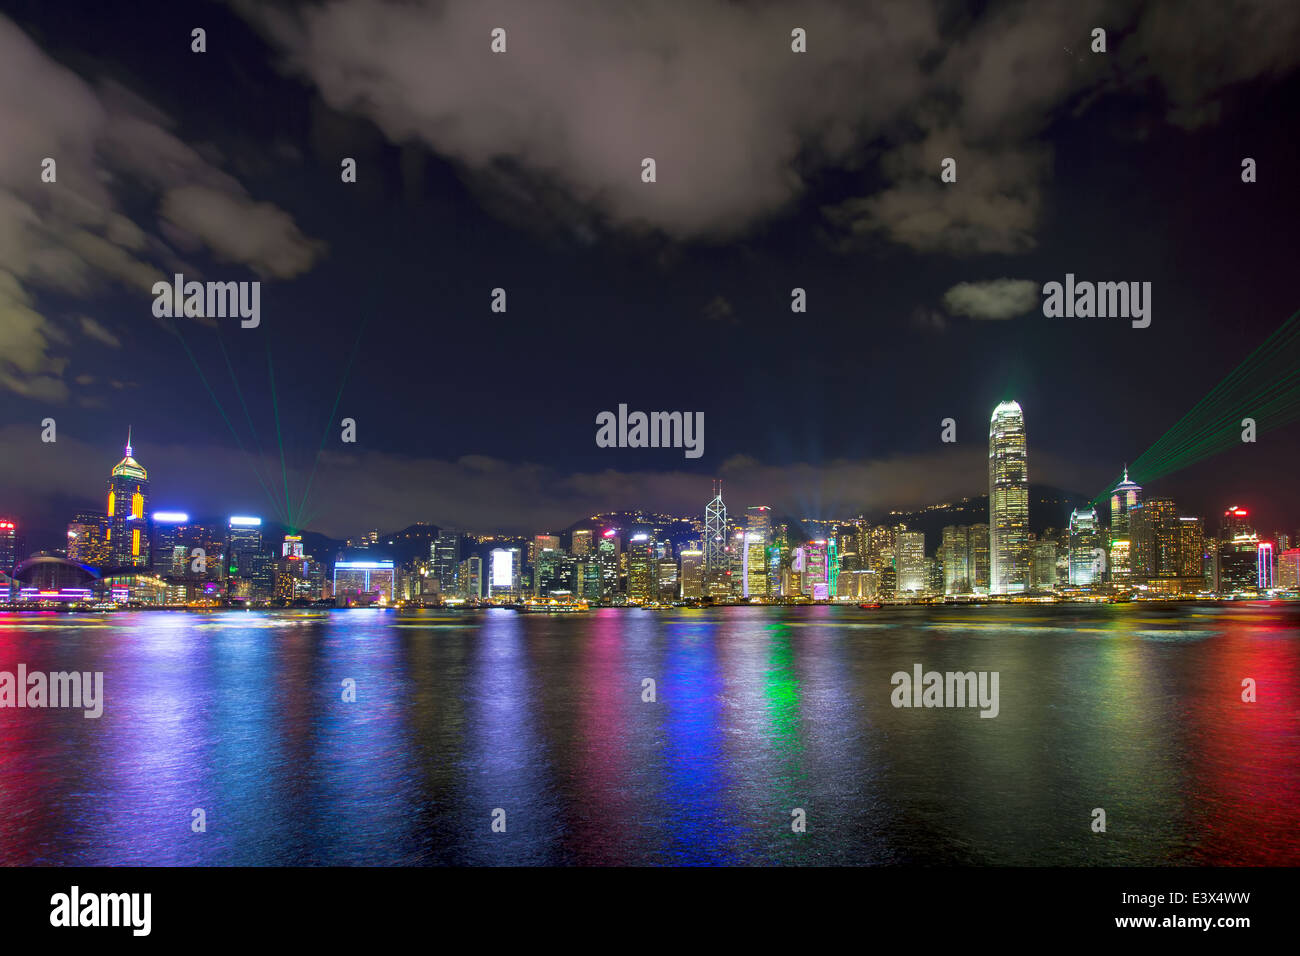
{"x":275,"y":404}
{"x":221,"y":410}
{"x":329,"y":420}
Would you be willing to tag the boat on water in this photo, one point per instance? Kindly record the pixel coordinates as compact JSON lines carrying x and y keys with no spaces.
{"x":871,"y":606}
{"x":552,"y":607}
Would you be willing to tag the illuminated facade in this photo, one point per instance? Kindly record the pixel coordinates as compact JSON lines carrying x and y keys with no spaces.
{"x":909,"y":564}
{"x":128,"y":503}
{"x":692,"y":574}
{"x":1009,"y":548}
{"x":505,"y":574}
{"x":1123,"y":497}
{"x":243,"y":545}
{"x":640,"y":568}
{"x":755,"y":569}
{"x":168,"y":529}
{"x":1087,"y":556}
{"x":87,"y":539}
{"x":364,"y":582}
{"x":9,"y":547}
{"x":956,"y":559}
{"x":717,"y":549}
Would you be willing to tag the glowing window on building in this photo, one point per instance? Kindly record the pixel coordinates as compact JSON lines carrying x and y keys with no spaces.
{"x":111,"y":504}
{"x":135,"y":542}
{"x":137,"y":505}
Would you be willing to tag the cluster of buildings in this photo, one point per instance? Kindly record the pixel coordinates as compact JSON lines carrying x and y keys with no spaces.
{"x":1144,"y":547}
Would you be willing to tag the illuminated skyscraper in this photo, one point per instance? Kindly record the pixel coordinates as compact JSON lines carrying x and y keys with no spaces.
{"x":1123,"y":497}
{"x":9,"y":546}
{"x":909,"y":564}
{"x":1155,"y":532}
{"x":816,"y":578}
{"x":1087,"y":557}
{"x":717,"y":553}
{"x":641,"y":568}
{"x":1009,"y":549}
{"x":956,"y":560}
{"x":979,"y":558}
{"x":607,"y":554}
{"x":505,"y":582}
{"x":128,"y":502}
{"x":168,"y":531}
{"x":580,"y":542}
{"x":243,"y":545}
{"x":692,"y":575}
{"x":444,"y":559}
{"x":755,"y":565}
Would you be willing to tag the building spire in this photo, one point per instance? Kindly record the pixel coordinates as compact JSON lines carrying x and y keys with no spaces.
{"x":1126,"y":472}
{"x":128,"y":441}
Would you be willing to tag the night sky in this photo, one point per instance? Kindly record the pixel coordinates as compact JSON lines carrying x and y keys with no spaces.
{"x":522,"y":170}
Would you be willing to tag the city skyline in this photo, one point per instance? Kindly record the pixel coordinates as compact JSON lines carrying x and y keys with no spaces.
{"x":132,"y":552}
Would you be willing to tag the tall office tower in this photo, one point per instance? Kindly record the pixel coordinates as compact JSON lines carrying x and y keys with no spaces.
{"x":909,"y":563}
{"x":128,"y":501}
{"x":816,"y":571}
{"x":979,"y":558}
{"x":1282,"y":540}
{"x":9,"y":545}
{"x":754,"y":572}
{"x":1043,"y":576}
{"x":1191,"y":548}
{"x":1009,"y":554}
{"x":880,"y":548}
{"x":1266,"y":575}
{"x":640,"y":565}
{"x":956,"y":560}
{"x":168,"y":532}
{"x":1123,"y":497}
{"x":469,"y":578}
{"x":717,"y":556}
{"x":692,"y":574}
{"x":506,"y":575}
{"x":444,"y":560}
{"x":1087,"y":556}
{"x":539,"y":543}
{"x":580,"y":542}
{"x":87,"y":540}
{"x":758,"y":518}
{"x":554,"y":572}
{"x":587,"y":575}
{"x":1288,"y":569}
{"x":1154,"y":531}
{"x":243,"y":541}
{"x":1235,"y":521}
{"x":607,"y":553}
{"x":665,"y":580}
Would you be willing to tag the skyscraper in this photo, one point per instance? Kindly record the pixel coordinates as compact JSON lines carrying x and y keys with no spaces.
{"x":580,"y":542}
{"x":1123,"y":497}
{"x":1087,"y":557}
{"x":1009,"y":548}
{"x":444,"y":555}
{"x":128,"y":501}
{"x":909,"y":563}
{"x":9,"y":546}
{"x":956,"y":560}
{"x":717,"y":554}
